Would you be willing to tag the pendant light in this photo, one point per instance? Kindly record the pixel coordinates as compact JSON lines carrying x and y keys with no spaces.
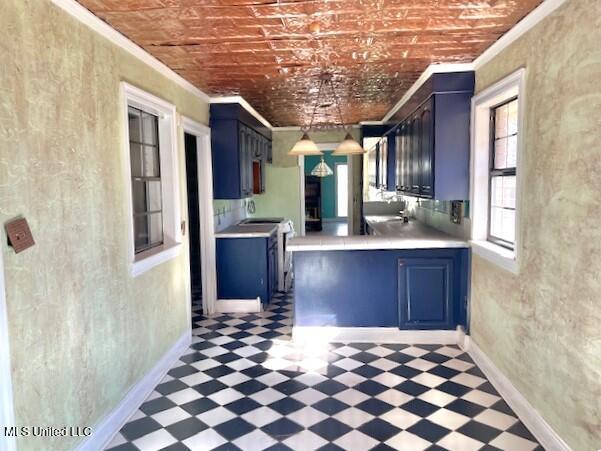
{"x":305,"y":146}
{"x":322,"y":169}
{"x":349,"y":147}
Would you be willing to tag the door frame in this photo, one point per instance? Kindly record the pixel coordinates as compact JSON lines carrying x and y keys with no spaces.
{"x":348,"y":211}
{"x":7,"y":411}
{"x":325,"y":147}
{"x":205,"y":201}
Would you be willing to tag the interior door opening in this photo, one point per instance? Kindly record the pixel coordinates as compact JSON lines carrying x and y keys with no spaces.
{"x":326,"y":198}
{"x":194,"y":221}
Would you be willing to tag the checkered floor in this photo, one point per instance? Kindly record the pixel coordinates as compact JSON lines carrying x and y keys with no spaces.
{"x":244,"y":385}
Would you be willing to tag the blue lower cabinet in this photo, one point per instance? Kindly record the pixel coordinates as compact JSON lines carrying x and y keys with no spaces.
{"x":246,"y":268}
{"x":425,"y":293}
{"x":408,"y":289}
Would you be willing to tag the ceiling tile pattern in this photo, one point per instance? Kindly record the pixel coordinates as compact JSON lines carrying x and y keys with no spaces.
{"x":271,"y":52}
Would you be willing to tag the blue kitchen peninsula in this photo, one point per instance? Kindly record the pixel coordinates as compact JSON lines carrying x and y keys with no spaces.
{"x":412,"y":278}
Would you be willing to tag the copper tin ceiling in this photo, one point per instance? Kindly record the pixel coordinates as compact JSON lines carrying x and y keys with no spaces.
{"x":271,"y":52}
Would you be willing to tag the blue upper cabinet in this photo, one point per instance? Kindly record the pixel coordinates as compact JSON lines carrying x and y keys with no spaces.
{"x":432,"y":138}
{"x":382,"y":157}
{"x":240,"y":146}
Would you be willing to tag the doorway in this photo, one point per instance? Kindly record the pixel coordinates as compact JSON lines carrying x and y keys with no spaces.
{"x":326,"y":198}
{"x":194,"y":240}
{"x":7,"y":417}
{"x":200,"y":227}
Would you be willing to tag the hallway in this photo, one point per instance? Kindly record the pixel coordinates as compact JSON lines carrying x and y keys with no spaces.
{"x":244,"y":385}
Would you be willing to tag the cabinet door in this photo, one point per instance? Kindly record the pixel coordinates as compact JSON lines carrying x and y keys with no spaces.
{"x":414,"y":155}
{"x":247,"y":167}
{"x":383,"y":163}
{"x":425,"y":293}
{"x":398,"y":161}
{"x":273,"y":268}
{"x":243,"y":145}
{"x":426,"y":150}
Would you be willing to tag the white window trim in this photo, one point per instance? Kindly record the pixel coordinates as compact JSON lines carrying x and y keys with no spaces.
{"x":172,"y":236}
{"x":509,"y":87}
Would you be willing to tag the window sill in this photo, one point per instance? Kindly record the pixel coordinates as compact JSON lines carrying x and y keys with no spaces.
{"x":496,"y":254}
{"x":154,"y":257}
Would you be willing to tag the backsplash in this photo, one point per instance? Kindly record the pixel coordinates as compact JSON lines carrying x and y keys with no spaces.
{"x":229,"y":212}
{"x":437,"y":214}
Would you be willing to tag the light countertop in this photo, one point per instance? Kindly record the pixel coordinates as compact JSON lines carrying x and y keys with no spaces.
{"x":248,"y":231}
{"x":391,"y":233}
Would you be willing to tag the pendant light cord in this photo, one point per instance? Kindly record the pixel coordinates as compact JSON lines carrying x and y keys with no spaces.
{"x":316,"y":103}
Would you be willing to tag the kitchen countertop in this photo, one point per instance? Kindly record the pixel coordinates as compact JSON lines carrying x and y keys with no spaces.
{"x":248,"y":231}
{"x":391,"y":233}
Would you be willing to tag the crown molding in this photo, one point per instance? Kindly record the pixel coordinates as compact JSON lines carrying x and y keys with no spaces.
{"x":92,"y":21}
{"x":244,"y":104}
{"x":95,"y":23}
{"x":523,"y":26}
{"x":431,"y":69}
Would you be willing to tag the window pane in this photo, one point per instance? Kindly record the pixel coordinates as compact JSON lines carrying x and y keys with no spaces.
{"x":154,"y":195}
{"x":139,"y":196}
{"x":502,"y":224}
{"x":136,"y":159}
{"x":156,"y":229}
{"x":501,"y":121}
{"x":134,"y":124}
{"x":141,"y":232}
{"x":149,"y":128}
{"x":501,"y":153}
{"x":512,"y":117}
{"x":151,"y":161}
{"x":512,"y":151}
{"x":502,"y":191}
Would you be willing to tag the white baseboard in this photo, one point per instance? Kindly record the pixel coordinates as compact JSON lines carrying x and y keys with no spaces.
{"x":547,"y":437}
{"x":373,"y":334}
{"x":104,"y":431}
{"x":238,"y":306}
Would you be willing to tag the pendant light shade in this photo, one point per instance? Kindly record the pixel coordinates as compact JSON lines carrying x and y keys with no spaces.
{"x":322,"y":169}
{"x":305,"y":146}
{"x":348,"y":147}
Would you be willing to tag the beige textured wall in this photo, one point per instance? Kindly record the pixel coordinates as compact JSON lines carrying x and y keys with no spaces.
{"x":82,"y":331}
{"x":542,"y":328}
{"x":282,"y":187}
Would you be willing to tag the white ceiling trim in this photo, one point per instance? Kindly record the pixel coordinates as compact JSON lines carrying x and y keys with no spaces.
{"x":98,"y":25}
{"x":95,"y":23}
{"x":526,"y":24}
{"x":247,"y":106}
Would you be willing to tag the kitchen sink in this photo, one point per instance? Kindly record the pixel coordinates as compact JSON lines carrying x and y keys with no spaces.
{"x":253,"y":221}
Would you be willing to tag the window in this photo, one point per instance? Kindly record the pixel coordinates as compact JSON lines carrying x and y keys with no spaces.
{"x":497,"y":127}
{"x":146,"y":179}
{"x":502,"y":192}
{"x":150,"y":159}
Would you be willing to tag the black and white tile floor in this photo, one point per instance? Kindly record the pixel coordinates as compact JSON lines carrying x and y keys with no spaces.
{"x":244,"y":385}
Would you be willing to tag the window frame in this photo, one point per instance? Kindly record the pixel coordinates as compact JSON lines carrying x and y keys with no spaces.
{"x":510,"y":87}
{"x":493,"y":172}
{"x":168,"y":162}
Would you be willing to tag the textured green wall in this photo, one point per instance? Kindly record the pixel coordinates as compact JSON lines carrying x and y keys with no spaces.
{"x":282,"y":196}
{"x":542,"y":328}
{"x":82,"y":330}
{"x":328,"y":184}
